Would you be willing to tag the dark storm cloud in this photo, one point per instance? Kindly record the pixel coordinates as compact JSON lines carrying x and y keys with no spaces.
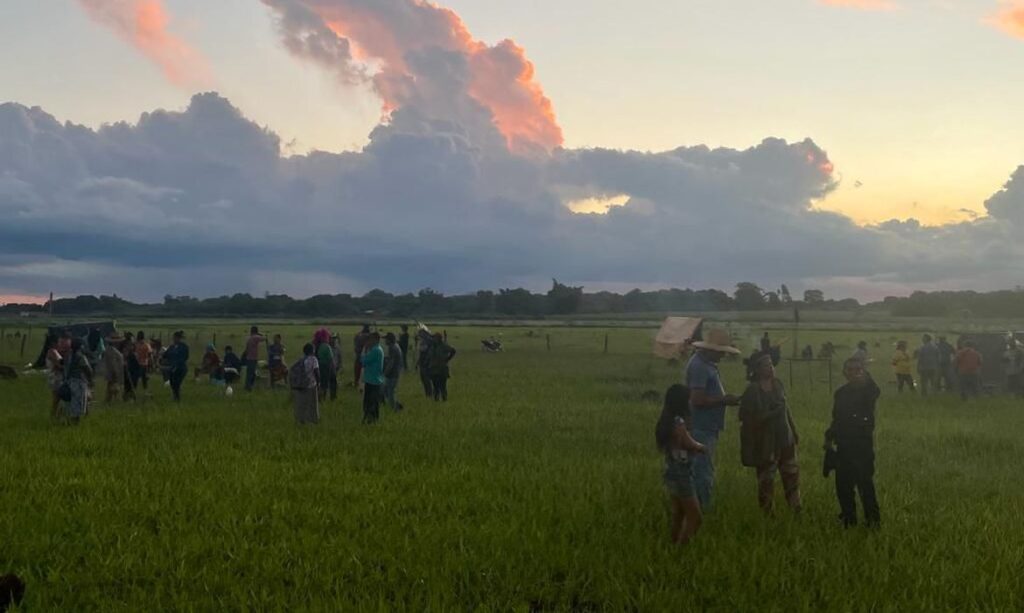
{"x":202,"y":201}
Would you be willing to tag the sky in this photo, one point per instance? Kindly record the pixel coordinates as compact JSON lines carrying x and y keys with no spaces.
{"x":838,"y":125}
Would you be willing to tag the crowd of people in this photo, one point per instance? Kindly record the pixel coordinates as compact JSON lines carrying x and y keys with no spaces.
{"x":125,"y":363}
{"x":941,"y":367}
{"x":694,"y":415}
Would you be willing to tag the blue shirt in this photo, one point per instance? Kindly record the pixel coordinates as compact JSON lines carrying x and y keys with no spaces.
{"x":702,"y":374}
{"x":373,"y":365}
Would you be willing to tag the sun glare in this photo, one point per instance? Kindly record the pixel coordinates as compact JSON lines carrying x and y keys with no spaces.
{"x":599,"y":205}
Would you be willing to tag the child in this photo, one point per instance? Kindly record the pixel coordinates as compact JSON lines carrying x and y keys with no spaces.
{"x":901,"y":365}
{"x":853,"y":431}
{"x":675,"y":442}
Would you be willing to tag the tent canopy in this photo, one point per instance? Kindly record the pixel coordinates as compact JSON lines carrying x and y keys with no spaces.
{"x":675,"y":335}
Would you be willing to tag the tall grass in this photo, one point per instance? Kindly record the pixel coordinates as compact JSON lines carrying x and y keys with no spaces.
{"x":535,"y":487}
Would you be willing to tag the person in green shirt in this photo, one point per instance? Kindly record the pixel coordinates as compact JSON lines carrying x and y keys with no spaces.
{"x":326,"y":363}
{"x":372,"y":360}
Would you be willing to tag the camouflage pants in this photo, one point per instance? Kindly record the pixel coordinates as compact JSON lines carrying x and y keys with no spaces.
{"x":786,"y":464}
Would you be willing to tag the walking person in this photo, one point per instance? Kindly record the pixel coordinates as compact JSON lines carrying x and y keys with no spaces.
{"x":768,"y":438}
{"x":403,"y":344}
{"x":335,"y":365}
{"x":438,"y":359}
{"x":393,"y":359}
{"x":372,"y":361}
{"x":674,"y":441}
{"x":852,"y":431}
{"x":113,"y":364}
{"x":304,"y":379}
{"x":176,"y":360}
{"x":78,"y":375}
{"x":901,"y":366}
{"x":251,"y":356}
{"x":968,"y":370}
{"x":707,"y":406}
{"x":928,"y":365}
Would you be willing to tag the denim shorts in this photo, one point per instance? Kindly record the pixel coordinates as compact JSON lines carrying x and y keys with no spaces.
{"x":678,"y":479}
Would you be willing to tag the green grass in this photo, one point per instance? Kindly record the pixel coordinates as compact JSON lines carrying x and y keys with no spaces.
{"x":537,"y":485}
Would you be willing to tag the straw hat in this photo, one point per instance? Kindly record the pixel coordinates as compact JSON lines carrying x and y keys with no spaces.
{"x":717,"y":339}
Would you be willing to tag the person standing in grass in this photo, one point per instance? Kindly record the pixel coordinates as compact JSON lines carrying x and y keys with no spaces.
{"x":861,"y":353}
{"x":304,"y":379}
{"x":423,"y":343}
{"x":392,"y":371}
{"x":674,"y":441}
{"x":928,"y":365}
{"x":707,"y":406}
{"x":325,"y":363}
{"x":251,"y":355}
{"x":358,"y":344}
{"x":403,"y":344}
{"x":968,"y":370}
{"x":144,"y":357}
{"x":372,"y":361}
{"x":768,"y":437}
{"x":901,"y":366}
{"x":55,"y":371}
{"x":1013,"y":365}
{"x":335,"y":364}
{"x":176,"y":359}
{"x":438,"y":359}
{"x":852,"y":431}
{"x":113,"y":364}
{"x":78,"y":377}
{"x":947,"y":355}
{"x":275,"y":361}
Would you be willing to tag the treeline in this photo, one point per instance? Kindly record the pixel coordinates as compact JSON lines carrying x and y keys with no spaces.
{"x":560,"y":300}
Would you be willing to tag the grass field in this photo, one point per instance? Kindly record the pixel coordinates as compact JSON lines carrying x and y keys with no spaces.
{"x":535,"y":488}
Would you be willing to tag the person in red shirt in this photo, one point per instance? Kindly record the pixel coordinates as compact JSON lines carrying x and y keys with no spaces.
{"x":968,"y":370}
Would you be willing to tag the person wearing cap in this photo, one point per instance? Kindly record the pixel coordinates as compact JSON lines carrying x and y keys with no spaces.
{"x":707,"y":406}
{"x":768,"y":437}
{"x":393,"y":358}
{"x":176,"y":358}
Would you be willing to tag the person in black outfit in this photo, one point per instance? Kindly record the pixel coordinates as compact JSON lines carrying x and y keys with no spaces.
{"x":403,"y":344}
{"x":176,"y":358}
{"x":852,"y":431}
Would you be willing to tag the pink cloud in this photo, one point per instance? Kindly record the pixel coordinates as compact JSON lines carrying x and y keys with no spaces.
{"x":1009,"y":18}
{"x":143,"y":24}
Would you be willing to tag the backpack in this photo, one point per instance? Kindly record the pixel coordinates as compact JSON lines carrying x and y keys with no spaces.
{"x":297,"y":379}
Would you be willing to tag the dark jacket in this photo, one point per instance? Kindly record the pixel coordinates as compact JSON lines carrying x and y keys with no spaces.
{"x":853,"y":413}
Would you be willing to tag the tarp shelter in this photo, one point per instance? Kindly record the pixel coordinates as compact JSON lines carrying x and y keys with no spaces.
{"x":675,"y":336}
{"x":106,"y":328}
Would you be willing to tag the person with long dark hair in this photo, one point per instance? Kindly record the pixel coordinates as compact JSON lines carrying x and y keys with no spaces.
{"x":674,"y":441}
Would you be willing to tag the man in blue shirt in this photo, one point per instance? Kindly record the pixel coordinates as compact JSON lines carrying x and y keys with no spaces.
{"x":707,"y":406}
{"x":372,"y":360}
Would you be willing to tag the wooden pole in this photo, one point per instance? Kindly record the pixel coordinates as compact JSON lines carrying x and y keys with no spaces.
{"x":548,"y":337}
{"x":23,"y":339}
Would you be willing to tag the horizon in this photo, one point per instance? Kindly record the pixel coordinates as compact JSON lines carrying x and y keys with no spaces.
{"x":882,"y":156}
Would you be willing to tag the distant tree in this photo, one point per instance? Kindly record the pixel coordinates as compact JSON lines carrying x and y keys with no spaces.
{"x":431,"y":301}
{"x":787,"y":298}
{"x":814,"y":296}
{"x":485,"y":301}
{"x":749,"y":296}
{"x":773,"y":300}
{"x":517,"y":302}
{"x":563,"y":299}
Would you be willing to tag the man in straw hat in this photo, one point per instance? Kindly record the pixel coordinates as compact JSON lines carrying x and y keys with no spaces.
{"x":707,"y":406}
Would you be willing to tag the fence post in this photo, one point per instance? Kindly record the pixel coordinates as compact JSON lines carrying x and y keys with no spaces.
{"x":606,"y":344}
{"x":548,"y":338}
{"x":23,"y":339}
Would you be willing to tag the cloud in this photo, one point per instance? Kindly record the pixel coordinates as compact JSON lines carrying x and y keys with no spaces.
{"x":420,"y":56}
{"x":865,"y":5}
{"x":463,"y":185}
{"x":1008,"y":18}
{"x":144,"y":25}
